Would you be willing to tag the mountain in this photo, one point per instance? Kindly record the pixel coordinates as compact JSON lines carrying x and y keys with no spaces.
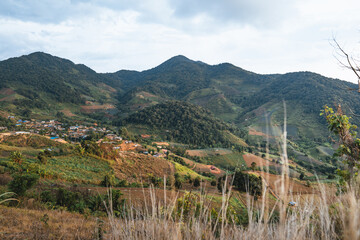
{"x":239,"y":96}
{"x":42,"y":81}
{"x":45,"y":85}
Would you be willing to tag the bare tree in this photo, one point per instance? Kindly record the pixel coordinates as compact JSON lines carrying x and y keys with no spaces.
{"x":349,"y":61}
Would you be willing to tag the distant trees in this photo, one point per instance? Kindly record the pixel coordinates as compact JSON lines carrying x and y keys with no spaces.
{"x":185,"y":123}
{"x":248,"y":182}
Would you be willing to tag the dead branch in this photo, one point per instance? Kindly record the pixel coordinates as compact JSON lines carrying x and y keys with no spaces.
{"x":350,"y":62}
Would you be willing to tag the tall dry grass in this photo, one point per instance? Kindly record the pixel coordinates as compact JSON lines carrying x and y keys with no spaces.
{"x":321,"y":215}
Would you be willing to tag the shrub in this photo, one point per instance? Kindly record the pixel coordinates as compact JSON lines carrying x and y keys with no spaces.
{"x":122,"y":183}
{"x":73,"y":201}
{"x":22,"y":182}
{"x":178,"y":182}
{"x":47,"y":196}
{"x":197,"y":182}
{"x":42,"y":158}
{"x":213,"y":183}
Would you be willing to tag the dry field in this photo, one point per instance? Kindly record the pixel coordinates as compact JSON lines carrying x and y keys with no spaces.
{"x":249,"y":158}
{"x":96,"y":108}
{"x":135,"y":167}
{"x":18,"y":223}
{"x":207,"y":152}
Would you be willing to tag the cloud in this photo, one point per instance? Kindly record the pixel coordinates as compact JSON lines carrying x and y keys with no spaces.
{"x":250,"y":12}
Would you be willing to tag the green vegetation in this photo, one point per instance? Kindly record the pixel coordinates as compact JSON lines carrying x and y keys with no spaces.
{"x":185,"y":123}
{"x":248,"y":182}
{"x":22,"y":182}
{"x":349,"y":147}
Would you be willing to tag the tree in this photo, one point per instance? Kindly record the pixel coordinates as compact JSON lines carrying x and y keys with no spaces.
{"x":197,"y":182}
{"x":220,"y":185}
{"x":16,"y":157}
{"x":349,"y":147}
{"x":178,"y":182}
{"x":248,"y":182}
{"x":302,"y":175}
{"x":253,"y":166}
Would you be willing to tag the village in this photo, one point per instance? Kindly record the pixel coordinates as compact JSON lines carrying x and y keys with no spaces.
{"x":55,"y":129}
{"x":68,"y":133}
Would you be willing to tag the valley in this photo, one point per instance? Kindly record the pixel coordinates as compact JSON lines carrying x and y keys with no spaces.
{"x":73,"y":141}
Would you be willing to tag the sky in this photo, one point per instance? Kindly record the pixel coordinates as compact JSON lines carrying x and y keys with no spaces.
{"x":262,"y":36}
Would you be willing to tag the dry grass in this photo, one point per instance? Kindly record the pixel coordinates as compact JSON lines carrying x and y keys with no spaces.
{"x":317,"y":216}
{"x":18,"y":223}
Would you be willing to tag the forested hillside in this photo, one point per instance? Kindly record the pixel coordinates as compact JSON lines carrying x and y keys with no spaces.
{"x":185,"y":123}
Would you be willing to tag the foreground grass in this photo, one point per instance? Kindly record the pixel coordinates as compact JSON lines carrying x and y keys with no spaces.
{"x":322,"y":216}
{"x":18,"y":223}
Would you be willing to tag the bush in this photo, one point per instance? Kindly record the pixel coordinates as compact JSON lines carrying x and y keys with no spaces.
{"x":22,"y":182}
{"x":42,"y":158}
{"x":72,"y":200}
{"x":47,"y":196}
{"x":213,"y":183}
{"x":122,"y":183}
{"x":197,"y":182}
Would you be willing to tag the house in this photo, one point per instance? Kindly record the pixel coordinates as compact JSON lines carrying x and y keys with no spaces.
{"x":19,"y":133}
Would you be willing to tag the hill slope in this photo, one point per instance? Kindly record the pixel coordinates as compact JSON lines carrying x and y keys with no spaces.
{"x":37,"y":80}
{"x":185,"y":123}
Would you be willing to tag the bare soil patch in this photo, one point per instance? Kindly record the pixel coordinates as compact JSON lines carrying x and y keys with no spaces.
{"x":68,"y":113}
{"x":199,"y":167}
{"x":96,"y":108}
{"x":136,"y":167}
{"x":208,"y":152}
{"x":7,"y":91}
{"x":274,"y":182}
{"x":249,"y":158}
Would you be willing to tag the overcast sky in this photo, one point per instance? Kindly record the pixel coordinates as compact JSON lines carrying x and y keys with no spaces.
{"x":262,"y":36}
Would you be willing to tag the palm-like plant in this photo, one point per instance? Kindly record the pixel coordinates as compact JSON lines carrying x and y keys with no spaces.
{"x":7,"y":199}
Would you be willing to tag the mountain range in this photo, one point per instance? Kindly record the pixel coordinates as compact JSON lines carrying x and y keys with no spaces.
{"x":40,"y":85}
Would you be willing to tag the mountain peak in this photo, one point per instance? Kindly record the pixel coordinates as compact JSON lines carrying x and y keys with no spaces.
{"x":179,"y":58}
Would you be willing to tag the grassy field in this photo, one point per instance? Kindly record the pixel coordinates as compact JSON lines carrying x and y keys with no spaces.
{"x":183,"y":171}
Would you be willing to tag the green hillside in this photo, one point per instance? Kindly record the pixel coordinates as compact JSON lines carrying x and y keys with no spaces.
{"x":43,"y":83}
{"x":186,"y":123}
{"x":242,"y":97}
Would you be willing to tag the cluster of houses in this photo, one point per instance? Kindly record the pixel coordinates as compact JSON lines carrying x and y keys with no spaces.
{"x":59,"y":131}
{"x":55,"y":129}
